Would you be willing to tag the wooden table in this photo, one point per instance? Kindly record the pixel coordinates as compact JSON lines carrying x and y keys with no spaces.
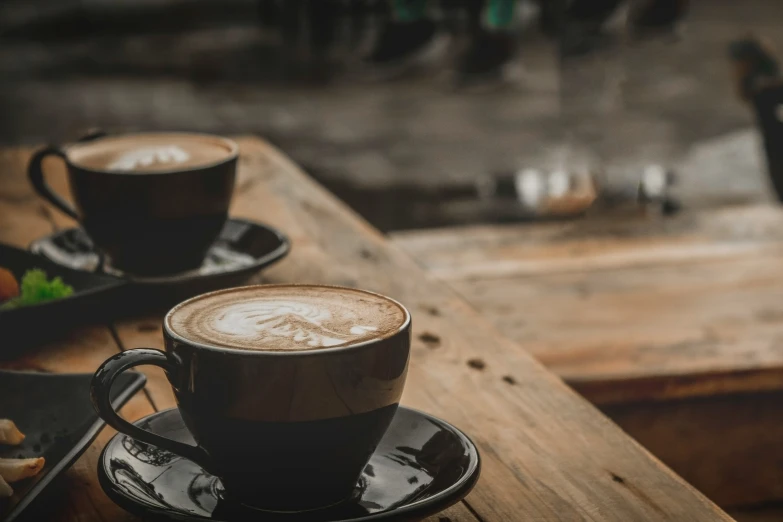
{"x":673,"y":327}
{"x":547,"y":453}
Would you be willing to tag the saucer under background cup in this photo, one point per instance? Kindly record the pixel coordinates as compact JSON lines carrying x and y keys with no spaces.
{"x":421,"y":466}
{"x":243,"y":248}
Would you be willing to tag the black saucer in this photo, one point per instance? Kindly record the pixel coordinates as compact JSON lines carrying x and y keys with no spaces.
{"x":422,"y":466}
{"x":243,"y":248}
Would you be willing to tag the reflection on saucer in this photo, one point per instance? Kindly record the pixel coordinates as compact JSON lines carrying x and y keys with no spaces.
{"x":421,"y":466}
{"x":243,"y":248}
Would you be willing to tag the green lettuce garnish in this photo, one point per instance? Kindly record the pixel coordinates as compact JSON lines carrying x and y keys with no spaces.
{"x":35,"y":288}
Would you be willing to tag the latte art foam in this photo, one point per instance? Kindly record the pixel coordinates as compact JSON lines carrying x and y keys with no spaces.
{"x":147,"y":157}
{"x":301,"y":322}
{"x":291,"y":317}
{"x":148,"y":153}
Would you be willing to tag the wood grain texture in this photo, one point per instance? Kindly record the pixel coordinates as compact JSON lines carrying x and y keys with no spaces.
{"x":496,"y":251}
{"x":630,"y":311}
{"x":673,"y":327}
{"x":727,"y":446}
{"x":647,"y":332}
{"x":547,"y":454}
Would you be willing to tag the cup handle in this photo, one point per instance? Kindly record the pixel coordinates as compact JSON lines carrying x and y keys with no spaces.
{"x":100,"y":389}
{"x":36,"y":176}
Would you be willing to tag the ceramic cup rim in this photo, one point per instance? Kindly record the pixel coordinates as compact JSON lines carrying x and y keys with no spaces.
{"x":170,"y":333}
{"x":229,"y":143}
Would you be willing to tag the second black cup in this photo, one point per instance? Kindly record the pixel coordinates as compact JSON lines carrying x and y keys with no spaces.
{"x":153,"y":203}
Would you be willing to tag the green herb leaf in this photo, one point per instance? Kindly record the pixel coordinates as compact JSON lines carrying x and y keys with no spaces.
{"x":35,"y":288}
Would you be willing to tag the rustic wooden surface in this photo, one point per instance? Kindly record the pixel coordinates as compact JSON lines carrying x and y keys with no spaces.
{"x":727,"y":446}
{"x":547,"y":453}
{"x":629,"y":310}
{"x":674,"y":328}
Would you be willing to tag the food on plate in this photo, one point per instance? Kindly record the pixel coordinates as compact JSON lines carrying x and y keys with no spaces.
{"x":36,"y":288}
{"x":9,"y":433}
{"x":14,"y":470}
{"x":9,"y":286}
{"x":5,"y":489}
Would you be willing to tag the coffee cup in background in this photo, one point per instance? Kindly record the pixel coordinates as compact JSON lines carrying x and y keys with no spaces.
{"x":153,"y":203}
{"x":286,"y":389}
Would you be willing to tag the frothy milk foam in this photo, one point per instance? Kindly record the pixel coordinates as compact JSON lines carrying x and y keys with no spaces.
{"x":145,"y":157}
{"x":289,"y":317}
{"x":149,"y":153}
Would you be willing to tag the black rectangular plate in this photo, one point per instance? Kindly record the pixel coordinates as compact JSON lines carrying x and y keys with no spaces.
{"x":55,"y":413}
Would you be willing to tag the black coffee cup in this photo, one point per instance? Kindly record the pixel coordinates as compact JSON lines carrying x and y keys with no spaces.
{"x":284,"y":430}
{"x":157,"y":222}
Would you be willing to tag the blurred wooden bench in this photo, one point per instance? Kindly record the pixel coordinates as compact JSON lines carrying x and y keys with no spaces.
{"x":672,"y":327}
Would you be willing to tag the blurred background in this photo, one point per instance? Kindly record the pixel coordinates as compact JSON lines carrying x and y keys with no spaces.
{"x":608,"y":116}
{"x":605,"y":89}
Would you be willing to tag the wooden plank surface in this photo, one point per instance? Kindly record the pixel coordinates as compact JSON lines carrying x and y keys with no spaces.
{"x":547,"y":453}
{"x":496,"y":251}
{"x":674,"y":328}
{"x":633,"y":310}
{"x":728,"y":446}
